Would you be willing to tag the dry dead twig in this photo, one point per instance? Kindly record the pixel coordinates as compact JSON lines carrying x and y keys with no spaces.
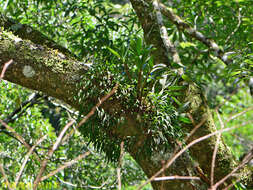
{"x":216,"y":147}
{"x":5,"y":176}
{"x":172,"y":159}
{"x":103,"y":99}
{"x":19,"y":137}
{"x":65,"y":165}
{"x":246,"y":159}
{"x":120,"y":164}
{"x":26,"y":159}
{"x":6,"y":65}
{"x":50,"y":154}
{"x":176,"y":177}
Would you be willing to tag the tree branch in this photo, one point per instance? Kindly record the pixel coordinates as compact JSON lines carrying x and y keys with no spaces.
{"x":28,"y":33}
{"x":26,"y":159}
{"x":182,"y":25}
{"x":40,"y":68}
{"x":65,"y":165}
{"x":164,"y":35}
{"x":171,"y":160}
{"x":5,"y":177}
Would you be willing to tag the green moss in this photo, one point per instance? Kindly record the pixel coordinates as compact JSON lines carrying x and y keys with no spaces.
{"x":28,"y":51}
{"x":194,"y":97}
{"x":6,"y":43}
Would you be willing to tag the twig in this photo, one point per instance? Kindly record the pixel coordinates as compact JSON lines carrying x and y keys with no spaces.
{"x":239,"y":114}
{"x":176,"y":177}
{"x":191,"y":118}
{"x":120,"y":164}
{"x":216,"y":147}
{"x":6,"y":65}
{"x":61,"y":139}
{"x":246,"y":159}
{"x":65,"y":165}
{"x":238,"y":25}
{"x":50,"y":154}
{"x":191,"y":133}
{"x":103,"y":99}
{"x":26,"y":159}
{"x":170,"y":161}
{"x":20,"y":138}
{"x":66,"y":182}
{"x":164,"y":35}
{"x":5,"y":177}
{"x":9,"y":134}
{"x":231,"y":185}
{"x":195,"y":128}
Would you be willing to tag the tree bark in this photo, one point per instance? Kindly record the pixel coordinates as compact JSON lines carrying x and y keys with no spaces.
{"x":44,"y":69}
{"x":201,"y":153}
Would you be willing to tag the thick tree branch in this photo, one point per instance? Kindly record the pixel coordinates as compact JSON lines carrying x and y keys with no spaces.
{"x":40,"y":68}
{"x":28,"y":33}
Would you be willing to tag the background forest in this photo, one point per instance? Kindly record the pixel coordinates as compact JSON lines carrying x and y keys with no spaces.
{"x":109,"y":39}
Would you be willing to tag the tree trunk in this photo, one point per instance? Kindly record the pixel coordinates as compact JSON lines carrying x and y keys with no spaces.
{"x":201,"y":154}
{"x":40,"y":68}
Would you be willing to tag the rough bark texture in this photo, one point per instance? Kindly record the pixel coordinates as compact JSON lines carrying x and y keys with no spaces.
{"x":27,"y":33}
{"x":41,"y":68}
{"x":202,"y":153}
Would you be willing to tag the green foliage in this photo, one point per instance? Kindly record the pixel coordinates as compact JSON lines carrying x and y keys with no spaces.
{"x":86,"y":28}
{"x":147,"y":91}
{"x":217,"y":20}
{"x":111,"y":39}
{"x":92,"y":171}
{"x":239,"y":140}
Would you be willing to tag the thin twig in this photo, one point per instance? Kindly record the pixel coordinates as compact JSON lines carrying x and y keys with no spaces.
{"x":195,"y":128}
{"x":20,"y":138}
{"x":26,"y":159}
{"x":66,"y":182}
{"x":176,"y":177}
{"x":120,"y":164}
{"x":65,"y":165}
{"x":239,"y":114}
{"x":50,"y":154}
{"x":246,"y":159}
{"x":191,"y":133}
{"x":238,"y":25}
{"x":171,"y":160}
{"x":103,"y":99}
{"x":6,"y":65}
{"x":33,"y":99}
{"x":191,"y":118}
{"x":231,"y":184}
{"x":216,"y":147}
{"x":61,"y":139}
{"x":5,"y":177}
